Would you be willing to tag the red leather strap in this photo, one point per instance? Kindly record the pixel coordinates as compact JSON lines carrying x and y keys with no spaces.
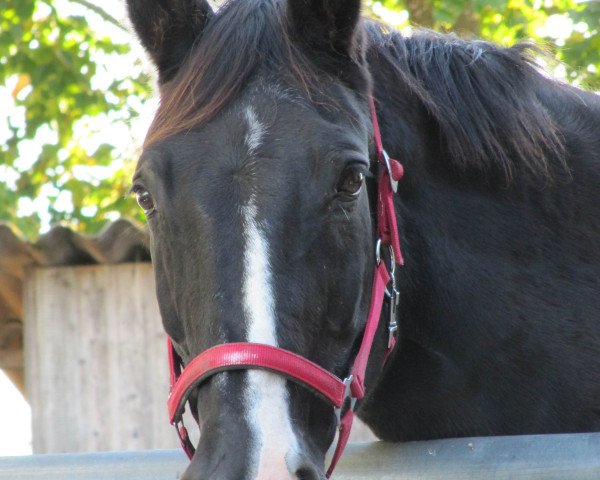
{"x":344,"y":435}
{"x":375,"y":122}
{"x":235,"y":356}
{"x":386,"y":217}
{"x":391,"y":170}
{"x":380,"y":280}
{"x":175,"y":363}
{"x":184,"y":439}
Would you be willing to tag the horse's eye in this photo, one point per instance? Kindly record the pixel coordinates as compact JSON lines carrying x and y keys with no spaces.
{"x":144,"y":200}
{"x":351,"y":182}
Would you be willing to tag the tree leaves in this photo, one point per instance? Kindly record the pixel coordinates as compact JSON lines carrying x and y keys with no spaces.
{"x":55,"y":67}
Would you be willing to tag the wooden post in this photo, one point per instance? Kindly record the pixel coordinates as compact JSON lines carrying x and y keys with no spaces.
{"x":95,"y":356}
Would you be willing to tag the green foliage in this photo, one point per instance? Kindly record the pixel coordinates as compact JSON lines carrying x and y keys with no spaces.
{"x":51,"y":62}
{"x":570,"y":29}
{"x":61,"y":91}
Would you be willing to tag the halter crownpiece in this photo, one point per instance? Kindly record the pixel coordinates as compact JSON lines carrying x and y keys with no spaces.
{"x":341,"y":394}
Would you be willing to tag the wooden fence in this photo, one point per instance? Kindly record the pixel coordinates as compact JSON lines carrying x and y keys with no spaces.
{"x":95,"y":358}
{"x":535,"y":457}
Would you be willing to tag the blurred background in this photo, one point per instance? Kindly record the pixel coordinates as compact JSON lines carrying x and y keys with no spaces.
{"x":76,"y":97}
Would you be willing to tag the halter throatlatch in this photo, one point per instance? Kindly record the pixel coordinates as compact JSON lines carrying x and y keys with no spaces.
{"x":341,"y":394}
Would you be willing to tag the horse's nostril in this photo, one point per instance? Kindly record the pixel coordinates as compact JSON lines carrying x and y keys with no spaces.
{"x":308,"y":473}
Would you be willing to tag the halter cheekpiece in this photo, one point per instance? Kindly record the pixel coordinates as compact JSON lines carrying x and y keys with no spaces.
{"x":341,"y":394}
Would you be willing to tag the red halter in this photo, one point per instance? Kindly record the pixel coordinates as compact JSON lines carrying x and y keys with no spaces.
{"x":340,"y":393}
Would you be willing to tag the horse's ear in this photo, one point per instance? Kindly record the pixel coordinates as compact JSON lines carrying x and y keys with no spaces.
{"x":328,"y":24}
{"x":168,"y":29}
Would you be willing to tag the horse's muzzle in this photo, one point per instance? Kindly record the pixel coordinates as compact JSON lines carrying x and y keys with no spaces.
{"x":223,"y":465}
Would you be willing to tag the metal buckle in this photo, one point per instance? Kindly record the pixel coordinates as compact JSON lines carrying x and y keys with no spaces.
{"x":392,"y":323}
{"x":348,"y":399}
{"x":388,"y":167}
{"x":391,"y":292}
{"x":378,"y":244}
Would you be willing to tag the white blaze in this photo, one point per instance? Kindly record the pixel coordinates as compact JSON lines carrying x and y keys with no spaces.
{"x":275,"y":447}
{"x":255,"y":131}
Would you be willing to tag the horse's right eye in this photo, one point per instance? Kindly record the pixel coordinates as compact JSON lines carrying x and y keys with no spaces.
{"x":351,"y":182}
{"x":144,"y":200}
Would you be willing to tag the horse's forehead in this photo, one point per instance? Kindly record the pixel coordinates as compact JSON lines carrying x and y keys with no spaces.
{"x":262,"y":114}
{"x":267,"y":129}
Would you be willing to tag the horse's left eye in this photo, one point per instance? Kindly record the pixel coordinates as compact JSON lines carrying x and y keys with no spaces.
{"x":144,"y":200}
{"x":351,"y":182}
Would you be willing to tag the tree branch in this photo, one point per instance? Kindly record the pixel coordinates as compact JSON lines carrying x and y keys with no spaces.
{"x":103,"y":13}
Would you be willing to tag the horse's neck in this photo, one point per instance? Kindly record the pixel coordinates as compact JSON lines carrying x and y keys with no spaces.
{"x":488,"y":281}
{"x":491,"y":274}
{"x":451,"y":218}
{"x":480,"y":254}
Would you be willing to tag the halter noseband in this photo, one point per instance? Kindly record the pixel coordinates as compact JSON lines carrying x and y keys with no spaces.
{"x":341,"y":394}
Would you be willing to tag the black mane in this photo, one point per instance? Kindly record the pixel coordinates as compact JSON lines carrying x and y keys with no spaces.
{"x":483,"y":97}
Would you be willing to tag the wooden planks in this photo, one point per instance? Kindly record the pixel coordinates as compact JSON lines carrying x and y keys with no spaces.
{"x":96,"y":365}
{"x":121,"y":241}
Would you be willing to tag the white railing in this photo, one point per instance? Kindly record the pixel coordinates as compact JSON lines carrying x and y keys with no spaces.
{"x":529,"y":457}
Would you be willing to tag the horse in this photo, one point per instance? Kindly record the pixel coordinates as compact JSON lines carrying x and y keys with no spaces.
{"x":259,"y":178}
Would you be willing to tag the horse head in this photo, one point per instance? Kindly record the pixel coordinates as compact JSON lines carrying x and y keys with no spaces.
{"x":253,"y":180}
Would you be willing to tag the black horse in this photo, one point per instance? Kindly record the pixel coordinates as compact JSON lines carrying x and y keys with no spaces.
{"x":256,"y":179}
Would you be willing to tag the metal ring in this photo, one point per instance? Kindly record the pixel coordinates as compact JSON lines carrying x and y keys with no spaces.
{"x":392,"y":256}
{"x":392,"y":261}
